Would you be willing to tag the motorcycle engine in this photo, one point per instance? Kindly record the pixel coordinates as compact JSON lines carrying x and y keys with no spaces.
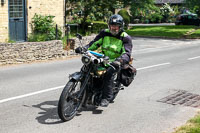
{"x":96,"y":99}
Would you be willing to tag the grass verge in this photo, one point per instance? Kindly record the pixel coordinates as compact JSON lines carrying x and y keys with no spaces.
{"x":192,"y":126}
{"x":172,"y":31}
{"x":196,"y":34}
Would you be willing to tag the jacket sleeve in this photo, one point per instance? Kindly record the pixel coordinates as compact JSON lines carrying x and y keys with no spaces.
{"x":97,"y":42}
{"x":126,"y":56}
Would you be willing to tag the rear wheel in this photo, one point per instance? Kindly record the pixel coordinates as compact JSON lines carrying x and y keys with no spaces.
{"x":69,"y":102}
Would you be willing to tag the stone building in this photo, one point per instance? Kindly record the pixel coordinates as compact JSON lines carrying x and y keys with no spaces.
{"x":16,"y":15}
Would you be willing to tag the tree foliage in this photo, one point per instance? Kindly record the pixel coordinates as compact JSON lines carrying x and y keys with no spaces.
{"x":167,"y":12}
{"x":82,"y":10}
{"x":194,"y":6}
{"x":139,"y":7}
{"x":125,"y":16}
{"x":86,"y":11}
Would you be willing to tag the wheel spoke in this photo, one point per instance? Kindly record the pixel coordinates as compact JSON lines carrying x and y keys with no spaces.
{"x":72,"y":100}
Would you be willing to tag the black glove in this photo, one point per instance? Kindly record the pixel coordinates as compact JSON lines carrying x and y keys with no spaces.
{"x":120,"y":60}
{"x":78,"y":50}
{"x":116,"y":64}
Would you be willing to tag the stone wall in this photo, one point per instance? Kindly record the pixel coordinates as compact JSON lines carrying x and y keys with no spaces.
{"x":15,"y":53}
{"x":26,"y":52}
{"x":86,"y":40}
{"x":4,"y":22}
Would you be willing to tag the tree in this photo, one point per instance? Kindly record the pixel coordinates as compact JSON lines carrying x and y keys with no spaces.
{"x":86,"y":11}
{"x":125,"y":16}
{"x":141,"y":8}
{"x":92,"y":9}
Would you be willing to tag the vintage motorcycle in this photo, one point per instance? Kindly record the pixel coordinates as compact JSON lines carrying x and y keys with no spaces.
{"x":85,"y":87}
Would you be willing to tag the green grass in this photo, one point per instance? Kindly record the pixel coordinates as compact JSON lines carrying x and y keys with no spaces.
{"x":192,"y":126}
{"x":163,"y":31}
{"x":196,"y":34}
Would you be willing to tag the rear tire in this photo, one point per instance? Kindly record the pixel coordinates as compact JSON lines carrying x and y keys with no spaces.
{"x":69,"y":104}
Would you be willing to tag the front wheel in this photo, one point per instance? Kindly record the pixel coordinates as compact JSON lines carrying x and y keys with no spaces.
{"x":69,"y":102}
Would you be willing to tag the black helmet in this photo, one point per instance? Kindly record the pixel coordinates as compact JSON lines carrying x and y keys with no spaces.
{"x":116,"y":20}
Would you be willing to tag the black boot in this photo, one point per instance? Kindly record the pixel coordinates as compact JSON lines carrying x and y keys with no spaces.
{"x":108,"y":88}
{"x":104,"y":103}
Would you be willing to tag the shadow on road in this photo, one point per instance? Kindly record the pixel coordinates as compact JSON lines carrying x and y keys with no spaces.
{"x":49,"y":115}
{"x":93,"y":109}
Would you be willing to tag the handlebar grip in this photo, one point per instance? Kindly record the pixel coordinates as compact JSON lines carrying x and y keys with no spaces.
{"x":97,"y":61}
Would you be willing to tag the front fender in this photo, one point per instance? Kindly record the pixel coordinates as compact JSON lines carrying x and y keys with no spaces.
{"x":76,"y":76}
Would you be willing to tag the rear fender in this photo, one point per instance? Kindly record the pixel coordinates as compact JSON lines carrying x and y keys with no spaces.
{"x":76,"y":76}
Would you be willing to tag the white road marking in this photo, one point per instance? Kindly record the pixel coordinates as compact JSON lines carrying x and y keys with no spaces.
{"x":30,"y":94}
{"x":59,"y":87}
{"x":154,"y":66}
{"x":147,"y":49}
{"x":193,"y":58}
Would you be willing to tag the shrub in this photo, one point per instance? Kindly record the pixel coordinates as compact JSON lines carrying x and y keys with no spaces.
{"x":97,"y":26}
{"x":167,"y":12}
{"x":156,"y":18}
{"x":125,"y":16}
{"x":44,"y":28}
{"x":37,"y":37}
{"x":90,"y":27}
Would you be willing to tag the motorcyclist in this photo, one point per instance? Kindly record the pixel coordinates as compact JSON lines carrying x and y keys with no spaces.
{"x":117,"y":45}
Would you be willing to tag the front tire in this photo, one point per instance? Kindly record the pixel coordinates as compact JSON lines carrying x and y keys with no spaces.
{"x":69,"y":103}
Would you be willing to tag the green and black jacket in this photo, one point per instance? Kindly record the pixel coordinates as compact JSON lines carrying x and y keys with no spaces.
{"x":119,"y":46}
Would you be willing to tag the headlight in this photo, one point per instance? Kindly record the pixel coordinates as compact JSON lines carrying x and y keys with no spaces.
{"x":86,"y":60}
{"x":100,"y":71}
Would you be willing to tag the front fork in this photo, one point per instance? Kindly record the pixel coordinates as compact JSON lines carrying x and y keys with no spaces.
{"x":78,"y":77}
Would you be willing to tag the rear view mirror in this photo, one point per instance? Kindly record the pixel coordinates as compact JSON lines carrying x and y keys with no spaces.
{"x":79,"y":36}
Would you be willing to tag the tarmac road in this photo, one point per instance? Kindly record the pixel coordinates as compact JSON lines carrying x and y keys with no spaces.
{"x":30,"y":93}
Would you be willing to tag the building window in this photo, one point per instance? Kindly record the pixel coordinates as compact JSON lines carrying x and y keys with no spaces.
{"x":16,"y":8}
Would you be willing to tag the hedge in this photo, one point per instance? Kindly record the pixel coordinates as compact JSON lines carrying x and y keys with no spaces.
{"x":97,"y":26}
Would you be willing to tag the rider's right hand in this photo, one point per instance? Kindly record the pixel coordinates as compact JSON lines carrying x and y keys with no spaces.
{"x":116,"y":64}
{"x":78,"y":50}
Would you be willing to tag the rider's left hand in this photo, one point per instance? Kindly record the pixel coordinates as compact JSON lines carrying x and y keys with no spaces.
{"x":78,"y":50}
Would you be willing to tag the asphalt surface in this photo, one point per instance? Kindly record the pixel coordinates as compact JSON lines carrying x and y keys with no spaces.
{"x":30,"y":93}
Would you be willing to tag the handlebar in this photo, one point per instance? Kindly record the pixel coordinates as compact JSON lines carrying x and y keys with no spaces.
{"x":98,"y":58}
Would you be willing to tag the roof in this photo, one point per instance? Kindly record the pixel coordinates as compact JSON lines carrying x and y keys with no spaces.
{"x":169,"y":1}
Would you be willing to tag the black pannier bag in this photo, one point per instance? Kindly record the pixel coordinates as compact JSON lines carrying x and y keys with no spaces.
{"x":128,"y":72}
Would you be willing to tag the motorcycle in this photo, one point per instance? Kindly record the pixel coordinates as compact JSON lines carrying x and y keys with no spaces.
{"x":85,"y":87}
